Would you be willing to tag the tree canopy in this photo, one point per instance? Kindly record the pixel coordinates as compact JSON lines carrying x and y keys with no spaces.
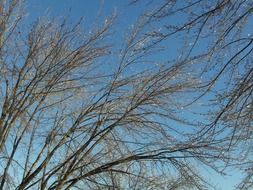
{"x":81,"y":110}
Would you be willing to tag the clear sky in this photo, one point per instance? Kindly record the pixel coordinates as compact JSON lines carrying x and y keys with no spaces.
{"x":94,"y":11}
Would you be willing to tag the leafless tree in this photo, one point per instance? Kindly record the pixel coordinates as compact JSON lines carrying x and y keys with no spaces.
{"x":77,"y":113}
{"x":220,"y":33}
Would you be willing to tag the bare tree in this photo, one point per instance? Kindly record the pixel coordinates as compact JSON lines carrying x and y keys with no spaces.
{"x":76,"y":113}
{"x":220,"y":33}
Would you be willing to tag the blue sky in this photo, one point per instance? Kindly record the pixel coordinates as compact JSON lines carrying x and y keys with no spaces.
{"x":95,"y":11}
